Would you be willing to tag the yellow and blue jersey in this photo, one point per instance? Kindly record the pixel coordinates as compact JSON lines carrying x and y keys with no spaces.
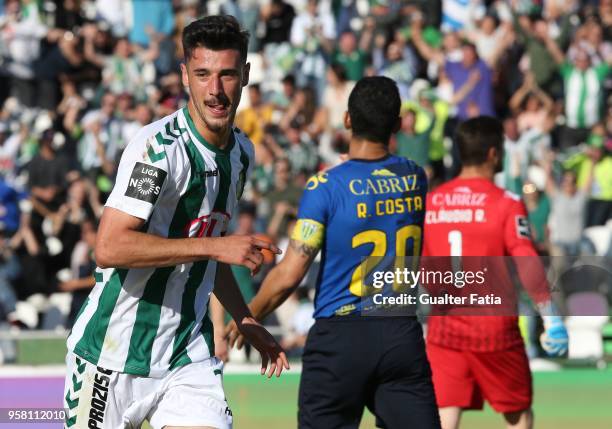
{"x":357,"y":210}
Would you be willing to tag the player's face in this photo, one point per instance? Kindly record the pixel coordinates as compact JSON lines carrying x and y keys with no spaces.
{"x":215,"y":80}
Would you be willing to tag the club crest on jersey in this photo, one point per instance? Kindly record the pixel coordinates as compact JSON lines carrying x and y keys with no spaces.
{"x":145,"y":182}
{"x":308,"y":229}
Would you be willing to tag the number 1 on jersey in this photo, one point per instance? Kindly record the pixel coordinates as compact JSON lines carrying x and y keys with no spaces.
{"x":455,"y":239}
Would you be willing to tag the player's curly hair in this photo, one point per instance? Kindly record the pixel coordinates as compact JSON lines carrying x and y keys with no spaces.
{"x":216,"y":32}
{"x":374,"y":108}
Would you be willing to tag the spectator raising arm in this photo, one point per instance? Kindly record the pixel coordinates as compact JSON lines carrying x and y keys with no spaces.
{"x":427,"y":52}
{"x":89,"y":33}
{"x":467,"y":87}
{"x":367,"y":35}
{"x":551,"y":186}
{"x":530,"y":86}
{"x":555,"y":51}
{"x":506,"y":41}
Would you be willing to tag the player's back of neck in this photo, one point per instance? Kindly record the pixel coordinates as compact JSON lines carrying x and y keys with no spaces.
{"x":477,"y":172}
{"x":366,"y":149}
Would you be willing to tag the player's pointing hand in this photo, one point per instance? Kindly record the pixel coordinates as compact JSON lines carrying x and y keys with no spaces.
{"x":243,"y":250}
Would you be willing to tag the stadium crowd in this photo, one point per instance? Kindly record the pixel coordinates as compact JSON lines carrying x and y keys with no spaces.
{"x":79,"y":78}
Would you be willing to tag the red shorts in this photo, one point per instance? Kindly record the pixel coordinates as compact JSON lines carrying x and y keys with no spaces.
{"x":464,"y":378}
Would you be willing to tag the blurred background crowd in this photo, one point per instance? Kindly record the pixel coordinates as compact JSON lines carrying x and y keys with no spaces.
{"x":78,"y":78}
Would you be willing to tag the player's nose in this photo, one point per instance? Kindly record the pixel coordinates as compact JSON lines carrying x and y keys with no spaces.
{"x":214,"y":86}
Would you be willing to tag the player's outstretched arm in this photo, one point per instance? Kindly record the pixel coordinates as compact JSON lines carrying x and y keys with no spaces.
{"x":227,"y":292}
{"x":531,"y":271}
{"x":283,"y":279}
{"x":122,"y":244}
{"x":278,"y":285}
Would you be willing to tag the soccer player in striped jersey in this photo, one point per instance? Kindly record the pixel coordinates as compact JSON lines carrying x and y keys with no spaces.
{"x":142,"y":345}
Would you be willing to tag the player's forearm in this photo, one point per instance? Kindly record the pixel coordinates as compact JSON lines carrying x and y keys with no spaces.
{"x":84,"y":283}
{"x":532,"y":275}
{"x":133,"y":249}
{"x":217,"y":315}
{"x":275,"y":289}
{"x":228,"y":293}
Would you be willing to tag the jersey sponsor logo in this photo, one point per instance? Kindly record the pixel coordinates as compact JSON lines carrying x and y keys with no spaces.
{"x":99,"y":398}
{"x":212,"y":225}
{"x":475,"y":199}
{"x":345,"y":310}
{"x":522,"y":227}
{"x":145,"y":182}
{"x":380,"y":186}
{"x":383,"y":172}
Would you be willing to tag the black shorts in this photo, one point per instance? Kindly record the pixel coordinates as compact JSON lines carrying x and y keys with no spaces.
{"x":352,"y":362}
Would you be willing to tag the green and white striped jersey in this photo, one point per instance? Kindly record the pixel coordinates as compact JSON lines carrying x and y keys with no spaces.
{"x":584,"y":92}
{"x":148,"y":321}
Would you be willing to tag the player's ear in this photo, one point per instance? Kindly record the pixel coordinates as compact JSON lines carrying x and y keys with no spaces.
{"x":493,"y":155}
{"x":245,"y":74}
{"x":347,"y":121}
{"x":184,"y":75}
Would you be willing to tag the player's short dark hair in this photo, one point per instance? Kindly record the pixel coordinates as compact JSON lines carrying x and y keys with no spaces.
{"x":374,"y":108}
{"x":216,"y":32}
{"x":476,"y":136}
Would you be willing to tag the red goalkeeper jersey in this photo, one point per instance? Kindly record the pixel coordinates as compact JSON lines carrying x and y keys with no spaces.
{"x":473,"y":217}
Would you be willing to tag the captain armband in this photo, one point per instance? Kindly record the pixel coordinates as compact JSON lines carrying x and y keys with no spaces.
{"x":309,"y":232}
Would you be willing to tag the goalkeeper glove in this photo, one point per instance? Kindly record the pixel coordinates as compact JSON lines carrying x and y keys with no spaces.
{"x":554,"y":339}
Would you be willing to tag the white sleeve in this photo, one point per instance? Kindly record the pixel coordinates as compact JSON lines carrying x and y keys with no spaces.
{"x":329,"y":26}
{"x":141,"y":177}
{"x":298,"y":31}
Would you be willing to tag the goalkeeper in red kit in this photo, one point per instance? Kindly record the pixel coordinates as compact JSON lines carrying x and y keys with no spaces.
{"x":477,"y":357}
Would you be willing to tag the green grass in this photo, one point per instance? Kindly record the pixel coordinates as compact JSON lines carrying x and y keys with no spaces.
{"x":41,"y":352}
{"x":572,"y":398}
{"x":568,"y":399}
